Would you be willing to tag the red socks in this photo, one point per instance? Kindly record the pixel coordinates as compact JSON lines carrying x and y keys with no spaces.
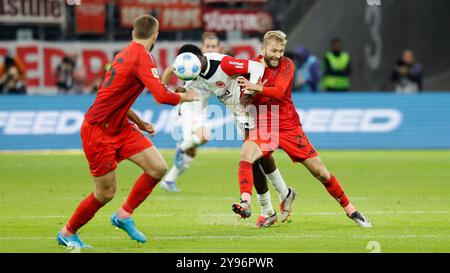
{"x":334,"y":189}
{"x":141,"y":189}
{"x":245,"y":175}
{"x":83,"y":213}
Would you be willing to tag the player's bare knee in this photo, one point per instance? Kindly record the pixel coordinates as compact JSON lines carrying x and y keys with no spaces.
{"x":105,"y":195}
{"x":322,"y":174}
{"x":246,"y":156}
{"x":192,"y":152}
{"x":158,"y":172}
{"x":249,"y":152}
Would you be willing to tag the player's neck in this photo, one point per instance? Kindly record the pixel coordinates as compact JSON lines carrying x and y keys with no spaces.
{"x":145,"y":43}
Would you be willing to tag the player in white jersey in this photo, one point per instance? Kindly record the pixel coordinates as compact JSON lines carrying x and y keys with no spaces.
{"x":218,"y":77}
{"x":193,"y":126}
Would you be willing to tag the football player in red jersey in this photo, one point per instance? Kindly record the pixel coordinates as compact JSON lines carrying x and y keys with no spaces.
{"x":278,"y":126}
{"x":109,"y":137}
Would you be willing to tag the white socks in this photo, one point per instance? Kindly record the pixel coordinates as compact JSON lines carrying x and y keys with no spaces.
{"x":193,"y":141}
{"x":278,"y":184}
{"x":175,"y":172}
{"x":266,"y":204}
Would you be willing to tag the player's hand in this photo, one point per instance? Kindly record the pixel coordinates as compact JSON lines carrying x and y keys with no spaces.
{"x":247,"y":85}
{"x":147,"y":127}
{"x":180,"y":89}
{"x":246,"y":99}
{"x":190,"y":95}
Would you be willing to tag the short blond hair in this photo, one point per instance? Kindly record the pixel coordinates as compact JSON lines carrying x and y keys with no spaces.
{"x":277,"y":35}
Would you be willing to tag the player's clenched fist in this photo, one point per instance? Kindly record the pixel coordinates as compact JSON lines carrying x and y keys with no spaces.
{"x":147,"y":127}
{"x":246,"y":85}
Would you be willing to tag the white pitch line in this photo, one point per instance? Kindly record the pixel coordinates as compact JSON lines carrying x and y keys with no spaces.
{"x":233,"y":216}
{"x":233,"y":237}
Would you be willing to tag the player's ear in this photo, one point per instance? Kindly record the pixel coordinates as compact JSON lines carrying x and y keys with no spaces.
{"x":155,"y":36}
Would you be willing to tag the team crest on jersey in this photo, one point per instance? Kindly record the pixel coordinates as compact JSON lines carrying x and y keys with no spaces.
{"x":155,"y":72}
{"x":220,"y":84}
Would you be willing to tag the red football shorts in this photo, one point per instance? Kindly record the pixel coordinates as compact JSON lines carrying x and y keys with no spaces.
{"x":104,"y":150}
{"x":294,"y":142}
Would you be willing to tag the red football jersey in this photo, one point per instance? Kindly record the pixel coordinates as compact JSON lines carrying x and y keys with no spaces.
{"x":132,"y":70}
{"x":278,"y":92}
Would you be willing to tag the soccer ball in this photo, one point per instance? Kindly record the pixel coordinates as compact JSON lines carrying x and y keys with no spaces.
{"x":186,"y":66}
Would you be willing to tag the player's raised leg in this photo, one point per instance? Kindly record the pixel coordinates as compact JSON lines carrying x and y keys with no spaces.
{"x":250,"y":152}
{"x":105,"y":187}
{"x":184,"y":156}
{"x":285,"y":193}
{"x":334,"y":188}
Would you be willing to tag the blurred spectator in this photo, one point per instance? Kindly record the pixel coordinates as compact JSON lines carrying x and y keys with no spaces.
{"x":337,"y":68}
{"x":68,"y":80}
{"x":12,"y":76}
{"x":307,"y":71}
{"x":210,"y":42}
{"x":407,"y":75}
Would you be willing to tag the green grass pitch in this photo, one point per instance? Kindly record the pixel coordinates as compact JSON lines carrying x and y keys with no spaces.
{"x":406,"y":195}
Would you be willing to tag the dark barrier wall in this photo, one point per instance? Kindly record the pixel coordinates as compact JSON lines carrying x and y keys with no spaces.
{"x":339,"y":121}
{"x":375,"y":36}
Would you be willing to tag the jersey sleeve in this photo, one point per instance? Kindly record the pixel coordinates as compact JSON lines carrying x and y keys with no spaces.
{"x":232,"y":66}
{"x":147,"y":73}
{"x":256,"y":70}
{"x":282,"y":81}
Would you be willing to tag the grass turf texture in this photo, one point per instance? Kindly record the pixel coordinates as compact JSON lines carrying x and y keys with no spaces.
{"x":404,"y":193}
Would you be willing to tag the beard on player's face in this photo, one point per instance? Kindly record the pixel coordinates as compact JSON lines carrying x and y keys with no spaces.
{"x":271,"y":61}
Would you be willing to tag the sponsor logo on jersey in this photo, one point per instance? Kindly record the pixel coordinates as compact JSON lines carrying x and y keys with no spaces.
{"x":237,"y":64}
{"x":224,"y":96}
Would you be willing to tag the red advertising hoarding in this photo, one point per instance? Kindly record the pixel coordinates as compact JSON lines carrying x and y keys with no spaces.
{"x":224,"y":20}
{"x":171,"y":14}
{"x":90,"y":16}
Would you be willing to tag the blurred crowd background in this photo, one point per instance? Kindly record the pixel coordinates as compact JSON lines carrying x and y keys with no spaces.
{"x":65,"y":47}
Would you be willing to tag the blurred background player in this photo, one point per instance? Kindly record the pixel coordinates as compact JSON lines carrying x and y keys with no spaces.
{"x":193,"y":119}
{"x":109,"y":137}
{"x":221,"y":68}
{"x":276,"y":92}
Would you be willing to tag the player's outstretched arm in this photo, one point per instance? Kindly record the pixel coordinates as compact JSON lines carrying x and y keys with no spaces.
{"x":146,"y":71}
{"x":165,"y":78}
{"x":281,"y":84}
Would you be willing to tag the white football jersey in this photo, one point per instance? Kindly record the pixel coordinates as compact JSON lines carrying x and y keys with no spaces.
{"x":219,"y":79}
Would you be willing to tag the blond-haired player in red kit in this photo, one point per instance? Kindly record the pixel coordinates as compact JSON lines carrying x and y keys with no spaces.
{"x":275,"y":92}
{"x":109,"y":137}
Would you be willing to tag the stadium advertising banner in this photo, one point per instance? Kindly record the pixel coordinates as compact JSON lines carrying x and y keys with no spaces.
{"x":332,"y":121}
{"x":90,"y":18}
{"x":223,"y":20}
{"x":32,"y":12}
{"x":42,"y":58}
{"x":172,"y":15}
